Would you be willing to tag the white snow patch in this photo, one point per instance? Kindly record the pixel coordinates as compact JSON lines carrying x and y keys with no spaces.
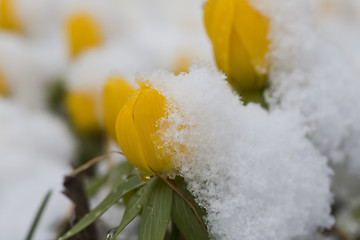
{"x":255,"y":172}
{"x":309,"y":74}
{"x":35,"y":150}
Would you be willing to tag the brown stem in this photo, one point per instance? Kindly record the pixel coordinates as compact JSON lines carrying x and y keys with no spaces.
{"x":184,"y":198}
{"x":74,"y":190}
{"x":90,"y":163}
{"x":107,"y":149}
{"x":340,"y":233}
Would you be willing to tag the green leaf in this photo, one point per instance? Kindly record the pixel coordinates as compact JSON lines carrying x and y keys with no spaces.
{"x":121,"y":172}
{"x":135,"y":206}
{"x":175,"y":232}
{"x":111,"y":199}
{"x":95,"y":184}
{"x":183,"y":215}
{"x":156,"y":212}
{"x":38,"y":215}
{"x":186,"y":221}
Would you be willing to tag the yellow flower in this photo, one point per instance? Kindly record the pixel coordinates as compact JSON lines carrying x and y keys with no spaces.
{"x":116,"y":92}
{"x":9,"y":19}
{"x":81,"y":106}
{"x":83,"y":32}
{"x":3,"y":86}
{"x":136,"y":128}
{"x":239,"y":36}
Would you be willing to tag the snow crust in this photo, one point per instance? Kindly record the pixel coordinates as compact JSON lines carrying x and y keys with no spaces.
{"x":35,"y":150}
{"x":255,"y":172}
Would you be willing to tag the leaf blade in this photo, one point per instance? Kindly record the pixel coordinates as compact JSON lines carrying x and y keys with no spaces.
{"x":186,"y":221}
{"x":38,"y":215}
{"x":110,"y":199}
{"x":156,"y":212}
{"x":134,"y":207}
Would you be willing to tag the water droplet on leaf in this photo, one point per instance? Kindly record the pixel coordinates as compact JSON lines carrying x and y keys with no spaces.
{"x":110,"y":233}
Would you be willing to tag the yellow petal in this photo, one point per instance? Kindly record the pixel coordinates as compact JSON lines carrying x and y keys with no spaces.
{"x":218,"y":19}
{"x":252,"y":28}
{"x":82,"y":111}
{"x":148,"y":110}
{"x":83,"y":32}
{"x":9,"y":19}
{"x":239,"y":36}
{"x":128,"y":139}
{"x":242,"y":74}
{"x":116,"y":92}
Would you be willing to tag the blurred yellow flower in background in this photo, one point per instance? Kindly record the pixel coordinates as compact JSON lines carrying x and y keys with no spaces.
{"x":81,"y":107}
{"x":9,"y":19}
{"x":116,"y":92}
{"x":3,"y":86}
{"x":239,"y":36}
{"x":83,"y":32}
{"x":136,"y":128}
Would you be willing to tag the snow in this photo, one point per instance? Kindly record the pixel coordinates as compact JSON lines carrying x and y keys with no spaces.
{"x":29,"y":68}
{"x":35,"y":149}
{"x":315,"y":70}
{"x":255,"y":172}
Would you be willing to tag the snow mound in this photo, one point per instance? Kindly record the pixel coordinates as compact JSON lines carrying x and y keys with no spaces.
{"x":255,"y":172}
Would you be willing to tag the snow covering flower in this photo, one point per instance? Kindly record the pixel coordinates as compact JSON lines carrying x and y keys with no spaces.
{"x":116,"y":92}
{"x":9,"y":19}
{"x":255,"y":172}
{"x":83,"y":32}
{"x":136,"y":126}
{"x":239,"y":36}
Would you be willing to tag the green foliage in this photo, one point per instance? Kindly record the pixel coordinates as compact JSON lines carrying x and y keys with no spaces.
{"x":156,"y":213}
{"x":112,"y":198}
{"x":183,"y":215}
{"x":135,"y":206}
{"x":38,"y":216}
{"x":55,"y":97}
{"x":186,"y":221}
{"x":156,"y":201}
{"x":96,"y":183}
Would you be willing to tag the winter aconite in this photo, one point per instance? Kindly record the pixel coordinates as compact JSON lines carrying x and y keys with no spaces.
{"x":116,"y":92}
{"x":3,"y":85}
{"x":136,"y":126}
{"x":82,"y":110}
{"x":9,"y":19}
{"x":239,"y":36}
{"x":83,"y":32}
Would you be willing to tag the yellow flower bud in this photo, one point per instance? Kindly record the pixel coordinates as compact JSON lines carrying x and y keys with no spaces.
{"x":3,"y":86}
{"x":116,"y":92}
{"x":83,"y":32}
{"x":9,"y":19}
{"x":82,"y":110}
{"x":239,"y":36}
{"x":136,"y":128}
